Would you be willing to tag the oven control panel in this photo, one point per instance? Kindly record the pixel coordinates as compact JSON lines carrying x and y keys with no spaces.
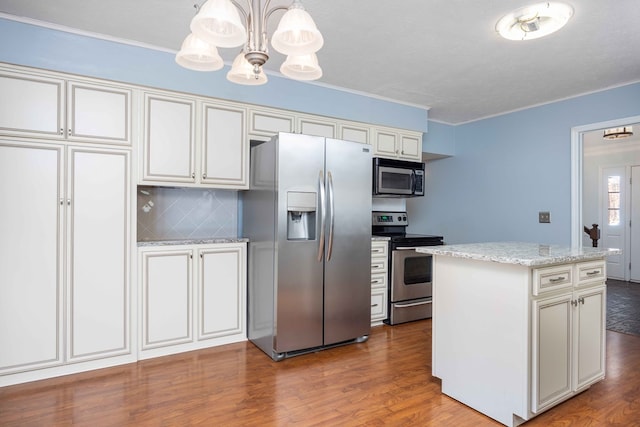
{"x":389,"y":218}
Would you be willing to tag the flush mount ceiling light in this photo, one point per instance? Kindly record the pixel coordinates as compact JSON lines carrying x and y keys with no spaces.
{"x":618,"y":133}
{"x":218,"y":24}
{"x":535,"y":21}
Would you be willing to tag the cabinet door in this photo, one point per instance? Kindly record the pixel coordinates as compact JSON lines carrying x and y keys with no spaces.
{"x":264,"y":123}
{"x":31,"y":105}
{"x":353,"y":132}
{"x":385,"y":143}
{"x":98,"y":253}
{"x":221,"y":291}
{"x":30,"y":256}
{"x":410,"y":147}
{"x":316,"y":127}
{"x":590,"y":333}
{"x":166,"y":297}
{"x":99,"y":113}
{"x":168,"y":152}
{"x":225,"y":162}
{"x":551,"y":351}
{"x":378,"y":306}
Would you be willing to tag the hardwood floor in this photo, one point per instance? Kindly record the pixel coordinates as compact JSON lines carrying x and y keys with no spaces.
{"x":385,"y":381}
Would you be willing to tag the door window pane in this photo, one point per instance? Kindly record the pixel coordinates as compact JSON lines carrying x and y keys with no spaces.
{"x":613,"y":191}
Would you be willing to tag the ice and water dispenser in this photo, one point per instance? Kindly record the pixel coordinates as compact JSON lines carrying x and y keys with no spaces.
{"x":301,"y":215}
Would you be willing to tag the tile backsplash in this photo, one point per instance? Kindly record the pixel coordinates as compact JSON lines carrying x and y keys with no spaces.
{"x":166,"y":213}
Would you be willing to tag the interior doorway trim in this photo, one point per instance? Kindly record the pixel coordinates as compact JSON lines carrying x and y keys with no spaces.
{"x":577,"y":157}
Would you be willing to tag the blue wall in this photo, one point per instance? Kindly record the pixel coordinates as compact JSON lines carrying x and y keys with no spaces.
{"x":507,"y":168}
{"x":31,"y":45}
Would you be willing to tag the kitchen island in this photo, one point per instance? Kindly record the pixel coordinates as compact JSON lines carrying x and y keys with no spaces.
{"x":517,"y":327}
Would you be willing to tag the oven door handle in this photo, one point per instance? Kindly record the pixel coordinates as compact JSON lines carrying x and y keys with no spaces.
{"x":413,"y":304}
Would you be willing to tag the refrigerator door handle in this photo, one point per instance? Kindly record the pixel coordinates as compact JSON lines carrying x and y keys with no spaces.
{"x":330,"y":196}
{"x":322,"y":215}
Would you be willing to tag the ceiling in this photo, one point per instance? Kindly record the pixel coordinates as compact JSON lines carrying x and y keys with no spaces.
{"x":440,"y":54}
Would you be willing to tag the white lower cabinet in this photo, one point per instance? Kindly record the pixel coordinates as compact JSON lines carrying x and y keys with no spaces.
{"x":191,"y":297}
{"x":568,"y":348}
{"x":379,"y":286}
{"x":64,"y":259}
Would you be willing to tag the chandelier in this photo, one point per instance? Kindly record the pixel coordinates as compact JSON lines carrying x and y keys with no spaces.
{"x":534,"y":21}
{"x":218,"y":24}
{"x":618,"y":133}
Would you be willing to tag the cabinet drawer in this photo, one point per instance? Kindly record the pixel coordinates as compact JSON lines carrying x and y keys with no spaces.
{"x":379,"y":281}
{"x":592,"y":272}
{"x":379,"y":249}
{"x":552,"y":278}
{"x":378,"y":305}
{"x":378,"y":265}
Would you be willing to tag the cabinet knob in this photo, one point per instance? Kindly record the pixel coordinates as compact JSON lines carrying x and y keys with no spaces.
{"x":204,"y":176}
{"x":581,"y":300}
{"x":574,"y":303}
{"x":61,"y":131}
{"x":68,"y":202}
{"x":193,"y":175}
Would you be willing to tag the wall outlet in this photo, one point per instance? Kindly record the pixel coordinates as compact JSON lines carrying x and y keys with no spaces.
{"x":544,"y":217}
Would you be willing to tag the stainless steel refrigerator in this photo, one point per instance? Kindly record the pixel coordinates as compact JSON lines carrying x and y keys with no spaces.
{"x":308,"y":219}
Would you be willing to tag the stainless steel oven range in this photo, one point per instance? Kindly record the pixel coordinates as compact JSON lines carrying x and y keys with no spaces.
{"x":410,"y":287}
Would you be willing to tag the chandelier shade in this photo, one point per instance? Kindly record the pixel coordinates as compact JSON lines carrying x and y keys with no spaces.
{"x":297,"y":34}
{"x":218,"y":22}
{"x":225,"y":23}
{"x":198,"y":55}
{"x":303,"y":67}
{"x":242,"y":72}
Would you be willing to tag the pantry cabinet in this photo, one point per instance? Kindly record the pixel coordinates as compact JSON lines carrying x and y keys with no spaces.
{"x":69,"y":217}
{"x":43,"y":106}
{"x":191,"y":297}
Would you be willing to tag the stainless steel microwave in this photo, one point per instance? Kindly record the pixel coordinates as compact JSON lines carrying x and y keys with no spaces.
{"x":397,"y":178}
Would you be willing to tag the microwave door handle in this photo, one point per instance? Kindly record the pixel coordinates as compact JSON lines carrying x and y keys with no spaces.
{"x":413,"y":182}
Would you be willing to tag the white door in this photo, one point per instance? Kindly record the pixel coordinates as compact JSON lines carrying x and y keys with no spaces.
{"x":30,"y":253}
{"x":225,"y":160}
{"x":169,"y":142}
{"x":166,"y":297}
{"x":613,"y":214}
{"x":98,"y":253}
{"x":221,"y":297}
{"x":634,"y":253}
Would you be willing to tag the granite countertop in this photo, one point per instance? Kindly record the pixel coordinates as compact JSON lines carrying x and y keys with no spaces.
{"x":193,"y":241}
{"x":383,"y":238}
{"x":528,"y":254}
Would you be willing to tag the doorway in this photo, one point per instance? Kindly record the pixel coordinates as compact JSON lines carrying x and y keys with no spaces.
{"x":602,"y":173}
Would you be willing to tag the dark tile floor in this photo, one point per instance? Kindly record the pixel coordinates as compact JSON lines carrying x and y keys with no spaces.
{"x":623,"y":307}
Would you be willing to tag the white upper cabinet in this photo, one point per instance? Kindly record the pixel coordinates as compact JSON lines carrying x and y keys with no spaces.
{"x":354,"y":132}
{"x":397,"y":144}
{"x":266,"y":122}
{"x":98,"y":113}
{"x":207,"y":149}
{"x":47,"y":107}
{"x":224,"y":159}
{"x":168,"y":153}
{"x":32,"y":105}
{"x":316,"y":126}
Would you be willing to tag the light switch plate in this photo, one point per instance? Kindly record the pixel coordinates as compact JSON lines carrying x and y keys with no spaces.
{"x":544,"y":217}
